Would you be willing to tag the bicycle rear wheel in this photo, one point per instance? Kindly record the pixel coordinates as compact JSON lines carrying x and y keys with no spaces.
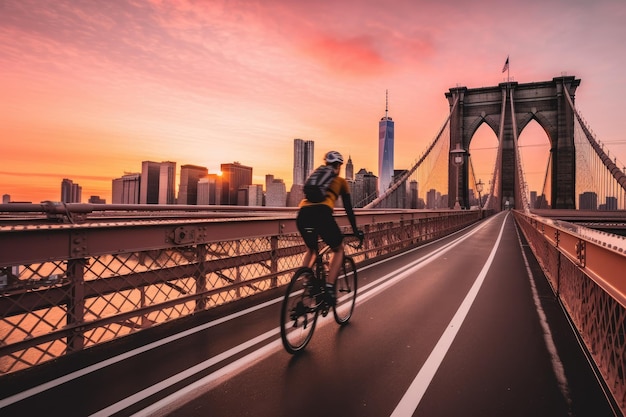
{"x":298,"y":314}
{"x":345,"y":288}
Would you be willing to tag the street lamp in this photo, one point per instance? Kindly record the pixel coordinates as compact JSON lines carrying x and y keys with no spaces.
{"x":457,"y":160}
{"x":479,"y":189}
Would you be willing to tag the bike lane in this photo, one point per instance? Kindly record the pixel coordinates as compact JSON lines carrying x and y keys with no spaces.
{"x":515,"y":355}
{"x":363,"y":368}
{"x":497,"y":363}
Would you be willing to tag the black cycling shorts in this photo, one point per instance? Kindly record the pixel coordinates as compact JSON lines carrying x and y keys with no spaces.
{"x":318,"y":217}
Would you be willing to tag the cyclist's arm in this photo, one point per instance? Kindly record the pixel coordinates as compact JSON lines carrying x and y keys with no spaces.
{"x":347,"y":205}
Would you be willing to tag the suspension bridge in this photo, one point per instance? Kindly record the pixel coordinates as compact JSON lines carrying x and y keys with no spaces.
{"x":579,"y":168}
{"x":479,"y":311}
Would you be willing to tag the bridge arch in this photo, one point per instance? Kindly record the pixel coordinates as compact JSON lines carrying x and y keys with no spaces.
{"x":534,"y":151}
{"x":507,"y":109}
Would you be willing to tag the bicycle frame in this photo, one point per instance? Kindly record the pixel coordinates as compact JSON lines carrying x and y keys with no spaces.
{"x":306,"y":297}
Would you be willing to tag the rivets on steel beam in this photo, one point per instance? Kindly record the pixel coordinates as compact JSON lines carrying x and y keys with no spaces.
{"x":184,"y":235}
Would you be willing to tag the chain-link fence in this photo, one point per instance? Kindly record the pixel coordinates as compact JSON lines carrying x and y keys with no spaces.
{"x":587,"y":275}
{"x":65,"y":287}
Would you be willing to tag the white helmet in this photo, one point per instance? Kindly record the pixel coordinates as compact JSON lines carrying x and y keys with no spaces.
{"x":332,"y":157}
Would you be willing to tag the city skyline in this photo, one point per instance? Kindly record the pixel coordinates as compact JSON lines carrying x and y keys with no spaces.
{"x":92,"y":91}
{"x":192,"y":177}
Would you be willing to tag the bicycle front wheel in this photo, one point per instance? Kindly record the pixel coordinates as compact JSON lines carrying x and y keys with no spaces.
{"x":298,"y":314}
{"x":345,"y":288}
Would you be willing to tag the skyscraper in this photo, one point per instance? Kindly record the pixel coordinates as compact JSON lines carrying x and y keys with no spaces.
{"x":126,"y":189}
{"x":364,"y":191}
{"x":157,"y":182}
{"x":385,"y":149}
{"x":303,"y":165}
{"x":210,"y":190}
{"x":188,"y":188}
{"x":349,"y":170}
{"x":588,"y":201}
{"x":234,"y":176}
{"x":70,"y":192}
{"x":167,"y":183}
{"x":303,"y":160}
{"x":275,"y":192}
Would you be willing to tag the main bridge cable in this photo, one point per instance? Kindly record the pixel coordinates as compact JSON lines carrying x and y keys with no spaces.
{"x":522,"y":192}
{"x":617,"y":173}
{"x":492,"y":200}
{"x":404,"y":177}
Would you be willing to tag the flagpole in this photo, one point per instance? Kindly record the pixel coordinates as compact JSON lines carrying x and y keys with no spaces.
{"x":508,"y":71}
{"x":507,"y":68}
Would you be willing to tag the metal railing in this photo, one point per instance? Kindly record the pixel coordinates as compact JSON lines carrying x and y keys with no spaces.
{"x":76,"y":276}
{"x":586,"y":271}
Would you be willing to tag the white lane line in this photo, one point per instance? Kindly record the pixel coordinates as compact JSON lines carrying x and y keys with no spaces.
{"x":111,"y":361}
{"x":557,"y":364}
{"x":365,"y":294}
{"x":235,"y":366}
{"x":168,"y":404}
{"x":393,"y":277}
{"x":240,"y":364}
{"x":131,"y":353}
{"x":412,"y":397}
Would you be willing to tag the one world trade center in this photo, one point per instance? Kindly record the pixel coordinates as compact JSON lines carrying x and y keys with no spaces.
{"x":385,"y":150}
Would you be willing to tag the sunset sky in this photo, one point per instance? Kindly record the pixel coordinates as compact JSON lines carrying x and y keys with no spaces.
{"x":90,"y":88}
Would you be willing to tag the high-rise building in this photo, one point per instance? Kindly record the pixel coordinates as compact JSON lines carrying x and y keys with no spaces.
{"x":303,"y":165}
{"x":385,"y":149}
{"x":158,"y":181}
{"x":95,"y":199}
{"x":364,"y":191}
{"x":303,"y":160}
{"x":234,"y":176}
{"x":611,"y":204}
{"x":349,"y":170}
{"x":414,"y":195}
{"x":250,"y":195}
{"x":70,"y":192}
{"x":188,"y":188}
{"x":149,"y":186}
{"x":432,"y":199}
{"x":6,"y":198}
{"x":126,"y":189}
{"x":588,"y":201}
{"x":167,"y":183}
{"x":210,"y":190}
{"x":275,"y":192}
{"x":533,"y":198}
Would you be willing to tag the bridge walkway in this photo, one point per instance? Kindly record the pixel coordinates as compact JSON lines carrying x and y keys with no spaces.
{"x":466,"y":325}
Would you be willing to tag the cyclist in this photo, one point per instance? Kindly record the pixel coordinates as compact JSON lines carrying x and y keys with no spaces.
{"x":320,"y":217}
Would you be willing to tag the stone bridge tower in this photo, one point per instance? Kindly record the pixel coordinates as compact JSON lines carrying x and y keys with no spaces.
{"x":507,"y":109}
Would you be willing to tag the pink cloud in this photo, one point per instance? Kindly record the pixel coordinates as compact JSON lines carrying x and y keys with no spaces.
{"x":353,"y":56}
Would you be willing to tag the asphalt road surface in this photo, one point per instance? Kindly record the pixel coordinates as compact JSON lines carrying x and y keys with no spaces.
{"x":464,"y":326}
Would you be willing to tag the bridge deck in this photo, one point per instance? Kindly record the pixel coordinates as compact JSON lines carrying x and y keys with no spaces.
{"x":451,"y":328}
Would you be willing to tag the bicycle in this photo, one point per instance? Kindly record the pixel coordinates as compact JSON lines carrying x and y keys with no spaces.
{"x":306,"y":298}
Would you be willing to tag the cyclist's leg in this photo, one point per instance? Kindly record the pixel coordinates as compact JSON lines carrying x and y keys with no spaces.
{"x":307,"y":226}
{"x":331,"y":235}
{"x":335,"y":264}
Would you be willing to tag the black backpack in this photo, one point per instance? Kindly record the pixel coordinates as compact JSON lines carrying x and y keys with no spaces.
{"x":317,"y":184}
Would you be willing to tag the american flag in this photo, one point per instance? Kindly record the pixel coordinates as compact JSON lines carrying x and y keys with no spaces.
{"x":506,"y":65}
